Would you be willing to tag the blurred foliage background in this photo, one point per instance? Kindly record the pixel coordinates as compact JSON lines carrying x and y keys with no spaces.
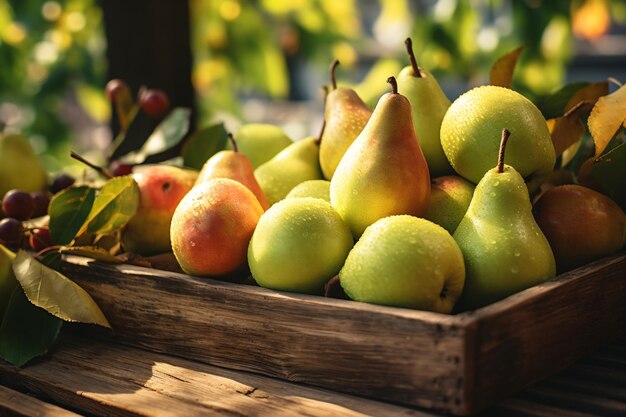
{"x":267,"y":59}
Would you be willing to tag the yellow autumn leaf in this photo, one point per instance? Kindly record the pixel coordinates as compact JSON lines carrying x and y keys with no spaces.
{"x":501,"y":73}
{"x":607,"y":116}
{"x":569,"y":128}
{"x":591,"y":93}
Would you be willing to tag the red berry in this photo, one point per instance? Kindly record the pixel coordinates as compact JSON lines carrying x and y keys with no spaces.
{"x":10,"y":231}
{"x":61,"y":182}
{"x":41,"y":201}
{"x":119,"y":169}
{"x":113,"y":87}
{"x":18,"y":204}
{"x":40,"y":239}
{"x":154,"y":102}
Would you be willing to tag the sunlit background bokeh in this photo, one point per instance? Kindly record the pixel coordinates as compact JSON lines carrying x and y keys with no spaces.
{"x":266,"y":60}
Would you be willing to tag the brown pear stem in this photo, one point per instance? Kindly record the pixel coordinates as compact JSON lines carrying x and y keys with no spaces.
{"x":505,"y":137}
{"x":99,"y":169}
{"x":394,"y":84}
{"x":409,"y":50}
{"x":333,"y":66}
{"x":233,"y":142}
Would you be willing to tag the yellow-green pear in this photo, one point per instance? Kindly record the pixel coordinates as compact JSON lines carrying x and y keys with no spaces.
{"x":450,"y":196}
{"x":296,"y":163}
{"x":428,"y":104}
{"x":311,"y":188}
{"x":345,"y":115}
{"x":19,"y":167}
{"x":384,"y":171}
{"x":504,"y":248}
{"x":260,"y":142}
{"x":471,"y":128}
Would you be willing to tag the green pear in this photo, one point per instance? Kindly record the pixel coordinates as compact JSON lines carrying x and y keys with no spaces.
{"x":19,"y":167}
{"x":345,"y":115}
{"x":296,"y":163}
{"x":428,"y":106}
{"x":471,"y":127}
{"x":405,"y":261}
{"x":260,"y":142}
{"x":311,"y":188}
{"x":384,"y":171}
{"x":450,"y":197}
{"x":504,"y":249}
{"x":298,"y":245}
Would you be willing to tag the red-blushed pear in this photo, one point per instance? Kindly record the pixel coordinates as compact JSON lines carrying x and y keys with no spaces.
{"x":236,"y":166}
{"x":384,"y":171}
{"x":581,"y":224}
{"x":161,"y":188}
{"x":212,"y":227}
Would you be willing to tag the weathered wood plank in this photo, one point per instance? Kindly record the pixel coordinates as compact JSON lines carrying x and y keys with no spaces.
{"x":16,"y":404}
{"x":104,"y":379}
{"x":517,"y":407}
{"x":576,"y":401}
{"x":406,"y":356}
{"x":544,"y":329}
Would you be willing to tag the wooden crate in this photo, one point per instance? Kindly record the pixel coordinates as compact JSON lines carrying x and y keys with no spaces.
{"x":457,"y":364}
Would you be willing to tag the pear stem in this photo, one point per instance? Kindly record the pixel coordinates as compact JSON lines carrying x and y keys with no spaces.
{"x":409,"y":50}
{"x":233,"y":142}
{"x":505,"y":137}
{"x":100,"y":170}
{"x":394,"y":84}
{"x":333,"y":66}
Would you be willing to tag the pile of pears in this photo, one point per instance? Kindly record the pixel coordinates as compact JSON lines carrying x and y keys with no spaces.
{"x":420,"y":203}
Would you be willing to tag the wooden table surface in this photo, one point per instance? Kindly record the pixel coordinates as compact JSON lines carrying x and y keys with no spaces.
{"x":86,"y":376}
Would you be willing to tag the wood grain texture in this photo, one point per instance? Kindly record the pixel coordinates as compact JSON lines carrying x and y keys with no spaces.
{"x":16,"y":404}
{"x":105,"y":379}
{"x":546,"y":328}
{"x":456,"y":364}
{"x":396,"y":354}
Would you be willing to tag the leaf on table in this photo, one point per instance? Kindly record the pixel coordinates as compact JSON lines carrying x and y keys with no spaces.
{"x":590,"y":93}
{"x":115,"y":204}
{"x":7,"y":279}
{"x":501,"y":73}
{"x":94,"y":252}
{"x":569,"y":128}
{"x":68,"y":211}
{"x":55,"y":293}
{"x":609,"y":171}
{"x":607,"y":116}
{"x":203,"y":144}
{"x":26,"y":331}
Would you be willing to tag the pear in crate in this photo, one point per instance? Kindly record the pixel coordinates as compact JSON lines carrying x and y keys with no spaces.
{"x":296,"y":163}
{"x":212,"y":226}
{"x":261,"y":142}
{"x":346,"y":116}
{"x":405,"y":261}
{"x":384,"y":171}
{"x":428,"y":106}
{"x":161,"y":188}
{"x":236,"y":166}
{"x":311,"y":188}
{"x":504,"y":249}
{"x":450,"y":197}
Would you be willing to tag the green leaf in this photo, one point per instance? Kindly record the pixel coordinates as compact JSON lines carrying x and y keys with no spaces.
{"x":203,"y":144}
{"x":139,"y":130}
{"x":94,"y":252}
{"x":7,"y":279}
{"x":68,"y":211}
{"x":169,"y":133}
{"x":115,"y":204}
{"x":553,"y":105}
{"x":55,"y":293}
{"x":610,"y":171}
{"x":26,"y":331}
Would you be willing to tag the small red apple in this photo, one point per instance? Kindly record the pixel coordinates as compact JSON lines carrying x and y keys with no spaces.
{"x":580,"y":224}
{"x":161,"y":188}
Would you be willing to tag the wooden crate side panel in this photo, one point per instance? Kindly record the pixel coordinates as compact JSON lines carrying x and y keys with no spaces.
{"x":399,"y":355}
{"x":544,"y":329}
